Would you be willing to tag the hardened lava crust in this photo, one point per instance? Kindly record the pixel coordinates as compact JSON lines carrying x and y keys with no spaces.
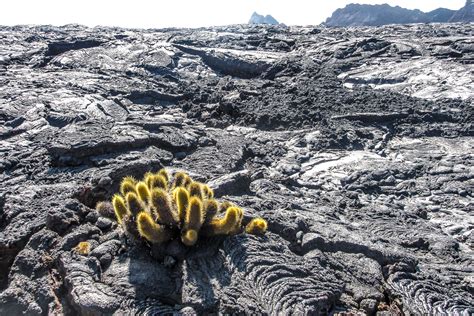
{"x":355,"y":144}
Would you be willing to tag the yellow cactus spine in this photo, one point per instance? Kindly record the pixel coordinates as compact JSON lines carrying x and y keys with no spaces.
{"x":193,"y":221}
{"x":189,"y":238}
{"x":161,"y":202}
{"x":208,"y":192}
{"x":143,"y":192}
{"x":225,"y":225}
{"x":210,"y":209}
{"x":194,"y":214}
{"x":179,"y":179}
{"x":238,"y":225}
{"x":151,"y":231}
{"x":164,"y":173}
{"x":158,"y":181}
{"x":127,"y":185}
{"x":181,"y":197}
{"x":257,"y":226}
{"x":187,"y":181}
{"x":224,"y":206}
{"x":134,"y":204}
{"x":120,"y":208}
{"x":83,"y":248}
{"x":147,"y":178}
{"x":195,"y":189}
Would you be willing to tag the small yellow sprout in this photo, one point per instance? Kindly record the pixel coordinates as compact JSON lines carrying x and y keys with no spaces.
{"x":83,"y":248}
{"x":257,"y":226}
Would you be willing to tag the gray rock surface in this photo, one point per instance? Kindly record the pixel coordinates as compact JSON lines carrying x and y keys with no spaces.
{"x":355,"y":144}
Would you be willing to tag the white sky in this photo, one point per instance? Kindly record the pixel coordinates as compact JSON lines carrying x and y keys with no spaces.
{"x":185,"y":13}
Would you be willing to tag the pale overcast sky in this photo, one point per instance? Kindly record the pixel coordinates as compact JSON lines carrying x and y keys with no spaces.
{"x":185,"y":13}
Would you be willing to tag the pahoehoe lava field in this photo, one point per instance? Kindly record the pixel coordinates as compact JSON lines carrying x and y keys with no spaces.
{"x":356,"y":144}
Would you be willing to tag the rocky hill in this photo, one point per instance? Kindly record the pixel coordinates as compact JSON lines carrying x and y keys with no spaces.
{"x":383,"y":14}
{"x":465,"y":14}
{"x":357,"y":146}
{"x":260,"y":19}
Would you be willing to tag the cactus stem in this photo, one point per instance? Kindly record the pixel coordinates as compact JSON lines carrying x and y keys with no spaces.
{"x":120,"y":208}
{"x":181,"y":197}
{"x":225,"y":225}
{"x":195,"y":189}
{"x":208,"y":192}
{"x":164,"y":173}
{"x":257,"y":226}
{"x":194,"y":214}
{"x":143,"y":192}
{"x":210,"y":209}
{"x":134,"y":204}
{"x":127,"y":185}
{"x":189,"y":238}
{"x":161,"y":202}
{"x":150,"y":230}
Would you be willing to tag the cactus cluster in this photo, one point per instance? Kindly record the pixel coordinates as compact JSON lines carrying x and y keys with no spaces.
{"x":160,"y":208}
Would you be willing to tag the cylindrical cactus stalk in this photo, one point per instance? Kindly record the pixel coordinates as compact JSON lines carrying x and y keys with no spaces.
{"x":120,"y":207}
{"x":151,"y":231}
{"x":134,"y":205}
{"x":129,"y":224}
{"x":225,"y":225}
{"x":181,"y":197}
{"x":164,"y":173}
{"x":127,"y":185}
{"x":158,"y":181}
{"x":189,"y":237}
{"x":224,"y":206}
{"x":187,"y":181}
{"x":161,"y":202}
{"x":143,"y":192}
{"x":238,"y":225}
{"x":195,"y":189}
{"x":193,"y":221}
{"x":208,"y":192}
{"x":210,"y":209}
{"x":179,"y":178}
{"x":194,"y":214}
{"x":257,"y":226}
{"x":147,"y":178}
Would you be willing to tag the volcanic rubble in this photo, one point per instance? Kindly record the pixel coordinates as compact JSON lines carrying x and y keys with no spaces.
{"x":356,"y":144}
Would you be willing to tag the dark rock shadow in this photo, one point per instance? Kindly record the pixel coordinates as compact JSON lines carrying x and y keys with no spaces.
{"x":150,"y":278}
{"x":204,"y":274}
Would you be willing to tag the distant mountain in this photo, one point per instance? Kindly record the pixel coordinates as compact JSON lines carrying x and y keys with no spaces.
{"x":260,"y":19}
{"x":440,"y":15}
{"x":373,"y":15}
{"x":466,"y":14}
{"x":382,"y":14}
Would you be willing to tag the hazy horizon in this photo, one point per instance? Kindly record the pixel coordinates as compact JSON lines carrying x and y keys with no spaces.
{"x":186,"y":13}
